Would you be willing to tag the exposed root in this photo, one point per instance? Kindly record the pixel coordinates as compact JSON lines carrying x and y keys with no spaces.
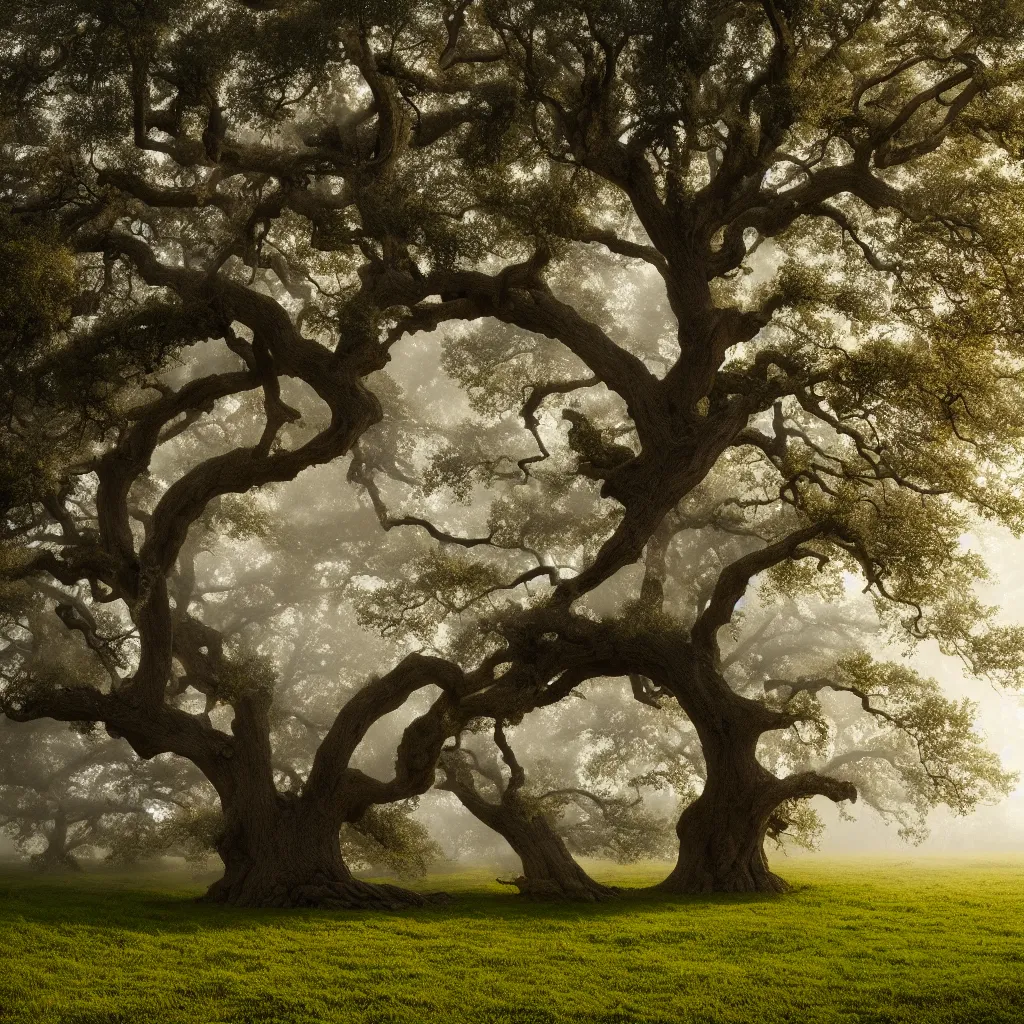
{"x":324,"y":892}
{"x":548,"y":889}
{"x":696,"y":884}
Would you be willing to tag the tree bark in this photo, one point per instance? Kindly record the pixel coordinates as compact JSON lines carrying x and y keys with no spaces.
{"x":721,"y":834}
{"x":549,"y":870}
{"x":281,"y":853}
{"x":283,"y":849}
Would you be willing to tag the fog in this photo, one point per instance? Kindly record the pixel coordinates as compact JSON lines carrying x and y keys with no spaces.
{"x":317,"y":587}
{"x":321,"y":524}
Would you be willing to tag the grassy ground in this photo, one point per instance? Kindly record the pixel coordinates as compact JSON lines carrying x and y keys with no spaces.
{"x":866,"y":941}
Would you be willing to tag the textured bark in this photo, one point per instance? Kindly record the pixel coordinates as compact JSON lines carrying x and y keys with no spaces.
{"x":283,"y":855}
{"x":549,"y":870}
{"x":721,"y":834}
{"x":279,"y":849}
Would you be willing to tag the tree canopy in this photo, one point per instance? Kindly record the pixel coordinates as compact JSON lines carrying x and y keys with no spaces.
{"x":681,"y":301}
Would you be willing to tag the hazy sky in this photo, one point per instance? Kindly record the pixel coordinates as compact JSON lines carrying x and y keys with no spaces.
{"x":1000,"y":719}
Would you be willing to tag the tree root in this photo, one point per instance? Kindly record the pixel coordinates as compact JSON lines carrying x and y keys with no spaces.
{"x":704,"y":885}
{"x":325,"y":893}
{"x":547,"y":889}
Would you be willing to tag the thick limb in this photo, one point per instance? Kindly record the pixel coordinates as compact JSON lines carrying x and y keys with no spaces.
{"x":549,"y":870}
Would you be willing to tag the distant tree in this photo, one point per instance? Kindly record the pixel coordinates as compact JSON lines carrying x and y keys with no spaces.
{"x":63,"y":794}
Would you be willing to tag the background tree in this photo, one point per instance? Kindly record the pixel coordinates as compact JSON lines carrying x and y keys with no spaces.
{"x":64,"y":794}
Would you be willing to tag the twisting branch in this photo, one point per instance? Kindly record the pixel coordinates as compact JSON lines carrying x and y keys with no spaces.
{"x":359,"y":472}
{"x":336,"y":787}
{"x":735,"y":578}
{"x":517,"y":779}
{"x":606,"y":806}
{"x":529,"y":415}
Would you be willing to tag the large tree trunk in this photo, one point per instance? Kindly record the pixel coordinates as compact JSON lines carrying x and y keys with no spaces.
{"x":282,"y":849}
{"x":281,"y":853}
{"x":549,"y":870}
{"x":721,"y":834}
{"x":54,"y":860}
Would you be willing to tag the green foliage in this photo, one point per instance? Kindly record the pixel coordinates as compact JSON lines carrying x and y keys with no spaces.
{"x":438,"y":584}
{"x":796,"y":822}
{"x":622,"y":834}
{"x":190,"y":831}
{"x":466,"y":458}
{"x":240,"y":516}
{"x":533,"y":520}
{"x":245,"y":675}
{"x":952,"y":765}
{"x":807,"y":576}
{"x":497,"y":365}
{"x":388,"y":838}
{"x":35,"y":297}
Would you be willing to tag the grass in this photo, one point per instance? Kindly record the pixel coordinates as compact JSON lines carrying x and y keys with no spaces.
{"x":877,"y":942}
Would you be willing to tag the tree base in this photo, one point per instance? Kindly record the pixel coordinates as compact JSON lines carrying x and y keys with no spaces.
{"x":701,"y":883}
{"x":322,"y":892}
{"x":547,"y":889}
{"x":55,"y":865}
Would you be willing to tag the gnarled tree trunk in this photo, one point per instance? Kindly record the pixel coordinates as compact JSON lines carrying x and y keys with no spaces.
{"x":281,"y":853}
{"x":283,"y":849}
{"x":721,"y":834}
{"x":549,"y":870}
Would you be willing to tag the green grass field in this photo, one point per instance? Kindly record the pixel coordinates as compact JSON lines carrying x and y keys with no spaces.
{"x":867,"y":941}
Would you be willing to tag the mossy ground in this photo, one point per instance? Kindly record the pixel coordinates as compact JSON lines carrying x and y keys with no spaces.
{"x":866,"y":941}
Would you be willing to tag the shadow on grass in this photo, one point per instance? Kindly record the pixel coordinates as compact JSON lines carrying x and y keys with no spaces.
{"x":154,"y":905}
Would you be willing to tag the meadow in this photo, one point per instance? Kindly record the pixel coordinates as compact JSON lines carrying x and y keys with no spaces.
{"x":868,"y":941}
